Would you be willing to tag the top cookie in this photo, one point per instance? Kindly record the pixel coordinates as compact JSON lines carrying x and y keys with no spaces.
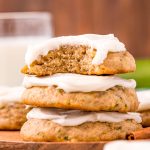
{"x":83,"y":54}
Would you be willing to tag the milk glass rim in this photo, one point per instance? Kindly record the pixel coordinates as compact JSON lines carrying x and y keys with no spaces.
{"x":25,"y":15}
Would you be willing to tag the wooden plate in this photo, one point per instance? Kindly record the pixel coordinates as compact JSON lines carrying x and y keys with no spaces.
{"x":11,"y":140}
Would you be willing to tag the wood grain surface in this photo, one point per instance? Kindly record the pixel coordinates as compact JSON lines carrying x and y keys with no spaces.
{"x":127,"y":19}
{"x":11,"y":140}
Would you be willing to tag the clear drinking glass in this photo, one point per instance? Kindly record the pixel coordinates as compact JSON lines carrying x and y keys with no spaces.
{"x":17,"y":31}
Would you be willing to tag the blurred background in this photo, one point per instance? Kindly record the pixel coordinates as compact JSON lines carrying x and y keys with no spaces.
{"x":129,"y":20}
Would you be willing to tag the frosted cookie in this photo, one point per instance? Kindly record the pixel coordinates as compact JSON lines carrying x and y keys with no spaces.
{"x":144,"y":107}
{"x":45,"y":125}
{"x":12,"y":111}
{"x":89,"y":54}
{"x":73,"y":91}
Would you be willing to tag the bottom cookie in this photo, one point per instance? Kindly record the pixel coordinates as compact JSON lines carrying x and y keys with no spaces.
{"x":12,"y":115}
{"x":41,"y":130}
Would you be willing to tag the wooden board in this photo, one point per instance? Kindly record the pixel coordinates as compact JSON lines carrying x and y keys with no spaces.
{"x":11,"y":140}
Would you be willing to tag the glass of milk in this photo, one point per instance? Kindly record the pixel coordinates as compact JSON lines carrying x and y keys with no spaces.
{"x":17,"y":32}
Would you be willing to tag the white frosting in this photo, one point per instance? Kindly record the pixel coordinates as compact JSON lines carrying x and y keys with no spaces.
{"x":102,"y":43}
{"x":144,"y":99}
{"x":78,"y":83}
{"x":77,"y":117}
{"x":10,"y":94}
{"x":127,"y":145}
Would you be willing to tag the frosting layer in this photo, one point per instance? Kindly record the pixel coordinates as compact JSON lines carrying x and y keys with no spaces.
{"x":102,"y":43}
{"x":144,"y":99}
{"x":70,"y":82}
{"x":11,"y":94}
{"x":77,"y":117}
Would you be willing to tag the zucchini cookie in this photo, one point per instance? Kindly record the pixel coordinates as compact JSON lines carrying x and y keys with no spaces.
{"x":89,"y":54}
{"x":12,"y":111}
{"x":59,"y":125}
{"x":144,"y":107}
{"x":74,"y":91}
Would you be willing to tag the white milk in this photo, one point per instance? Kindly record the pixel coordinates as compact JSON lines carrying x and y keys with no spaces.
{"x":12,"y":53}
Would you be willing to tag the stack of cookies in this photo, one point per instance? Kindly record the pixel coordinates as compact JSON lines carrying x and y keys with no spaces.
{"x":71,"y":83}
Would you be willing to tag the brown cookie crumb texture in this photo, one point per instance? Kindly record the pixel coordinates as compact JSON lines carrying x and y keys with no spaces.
{"x":78,"y":59}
